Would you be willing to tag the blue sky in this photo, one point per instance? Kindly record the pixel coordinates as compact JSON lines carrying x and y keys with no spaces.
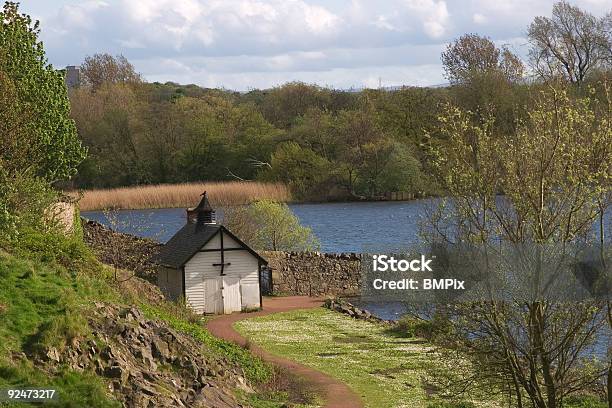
{"x":245,"y":44}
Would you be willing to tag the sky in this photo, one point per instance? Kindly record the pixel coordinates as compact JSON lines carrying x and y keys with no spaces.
{"x":248,"y":44}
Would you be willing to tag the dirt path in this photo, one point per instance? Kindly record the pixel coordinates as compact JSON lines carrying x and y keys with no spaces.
{"x":336,"y":393}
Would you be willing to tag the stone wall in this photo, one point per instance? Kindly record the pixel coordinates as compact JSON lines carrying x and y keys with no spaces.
{"x":123,"y":251}
{"x":293,"y":273}
{"x":315,"y":273}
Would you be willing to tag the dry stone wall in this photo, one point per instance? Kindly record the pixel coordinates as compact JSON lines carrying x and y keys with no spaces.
{"x":293,"y":273}
{"x":315,"y":273}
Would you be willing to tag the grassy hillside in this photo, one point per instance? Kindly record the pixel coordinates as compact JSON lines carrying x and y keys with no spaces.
{"x":43,"y":298}
{"x":50,"y":286}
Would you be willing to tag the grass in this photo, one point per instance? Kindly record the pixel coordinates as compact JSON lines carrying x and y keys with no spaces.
{"x":387,"y":371}
{"x":48,"y":285}
{"x":42,"y":304}
{"x":182,"y":195}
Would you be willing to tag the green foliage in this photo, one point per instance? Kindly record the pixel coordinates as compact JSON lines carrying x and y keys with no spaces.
{"x":278,"y":229}
{"x":300,"y":168}
{"x":402,"y":172}
{"x":46,"y":144}
{"x":409,"y":326}
{"x":584,"y":401}
{"x":52,"y":247}
{"x":24,"y":202}
{"x":254,"y":368}
{"x":269,"y":225}
{"x":445,"y":404}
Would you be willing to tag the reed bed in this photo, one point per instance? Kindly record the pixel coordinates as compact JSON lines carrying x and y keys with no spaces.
{"x":182,"y":195}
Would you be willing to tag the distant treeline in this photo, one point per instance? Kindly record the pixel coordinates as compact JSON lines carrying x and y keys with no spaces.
{"x":323,"y":143}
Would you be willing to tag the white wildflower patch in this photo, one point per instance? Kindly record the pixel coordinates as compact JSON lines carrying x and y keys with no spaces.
{"x":387,"y":371}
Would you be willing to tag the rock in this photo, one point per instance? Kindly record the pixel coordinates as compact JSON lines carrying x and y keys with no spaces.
{"x":131,"y":357}
{"x":53,"y":354}
{"x":160,"y":349}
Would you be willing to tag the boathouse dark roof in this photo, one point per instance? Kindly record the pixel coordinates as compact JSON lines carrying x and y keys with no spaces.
{"x":199,"y":229}
{"x":189,"y":240}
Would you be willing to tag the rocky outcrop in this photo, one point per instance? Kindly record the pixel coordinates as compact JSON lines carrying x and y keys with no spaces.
{"x":344,"y":307}
{"x":315,"y":273}
{"x":148,"y":363}
{"x":122,"y":251}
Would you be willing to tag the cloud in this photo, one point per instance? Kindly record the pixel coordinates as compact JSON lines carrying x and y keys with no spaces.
{"x":434,"y":14}
{"x":247,"y":43}
{"x":479,"y":18}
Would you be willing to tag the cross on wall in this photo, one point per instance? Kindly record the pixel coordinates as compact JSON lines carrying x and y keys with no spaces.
{"x":222,"y":264}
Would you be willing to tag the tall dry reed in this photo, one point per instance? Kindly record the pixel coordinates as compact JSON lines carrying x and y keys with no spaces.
{"x":182,"y":195}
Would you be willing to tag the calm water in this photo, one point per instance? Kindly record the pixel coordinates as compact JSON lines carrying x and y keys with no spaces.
{"x":340,"y":227}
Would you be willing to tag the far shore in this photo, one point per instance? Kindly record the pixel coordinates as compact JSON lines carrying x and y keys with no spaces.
{"x":183,"y":195}
{"x":221,"y":193}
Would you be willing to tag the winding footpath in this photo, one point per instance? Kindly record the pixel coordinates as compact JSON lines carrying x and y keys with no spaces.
{"x":336,"y":394}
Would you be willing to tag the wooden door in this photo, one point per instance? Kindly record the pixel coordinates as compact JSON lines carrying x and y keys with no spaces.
{"x":231,"y":295}
{"x":213,"y":296}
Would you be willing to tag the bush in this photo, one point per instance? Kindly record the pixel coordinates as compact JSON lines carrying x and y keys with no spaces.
{"x":53,"y":246}
{"x":448,"y":404}
{"x":585,"y":401}
{"x":270,"y":225}
{"x":410,"y":326}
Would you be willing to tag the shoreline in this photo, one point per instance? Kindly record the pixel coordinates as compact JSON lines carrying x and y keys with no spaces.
{"x":290,"y":202}
{"x":222,"y":194}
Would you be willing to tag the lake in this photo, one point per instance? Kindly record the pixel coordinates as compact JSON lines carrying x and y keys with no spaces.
{"x":340,"y":227}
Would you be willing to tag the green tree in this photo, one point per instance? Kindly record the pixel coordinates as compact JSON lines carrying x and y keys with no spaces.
{"x":269,"y":225}
{"x":555,"y":174}
{"x":301,"y":168}
{"x":402,"y":171}
{"x":53,"y":149}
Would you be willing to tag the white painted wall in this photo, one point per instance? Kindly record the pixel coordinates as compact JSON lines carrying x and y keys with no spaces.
{"x":244,"y":266}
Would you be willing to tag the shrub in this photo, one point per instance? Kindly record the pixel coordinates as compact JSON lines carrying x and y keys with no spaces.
{"x":448,"y":404}
{"x":585,"y":401}
{"x":270,"y":225}
{"x":410,"y":326}
{"x":52,"y":246}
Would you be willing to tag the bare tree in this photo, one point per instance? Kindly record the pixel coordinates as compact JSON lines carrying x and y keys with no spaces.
{"x":570,"y":44}
{"x":104,"y":68}
{"x":472,"y":55}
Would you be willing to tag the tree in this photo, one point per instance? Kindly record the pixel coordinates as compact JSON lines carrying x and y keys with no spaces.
{"x":472,"y":55}
{"x":402,"y":171}
{"x":301,"y":168}
{"x":102,"y":69}
{"x":285,"y":103}
{"x":364,"y":150}
{"x":48,"y":144}
{"x":555,"y":174}
{"x":570,"y":44}
{"x":110,"y":124}
{"x":485,"y":79}
{"x":272,"y":226}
